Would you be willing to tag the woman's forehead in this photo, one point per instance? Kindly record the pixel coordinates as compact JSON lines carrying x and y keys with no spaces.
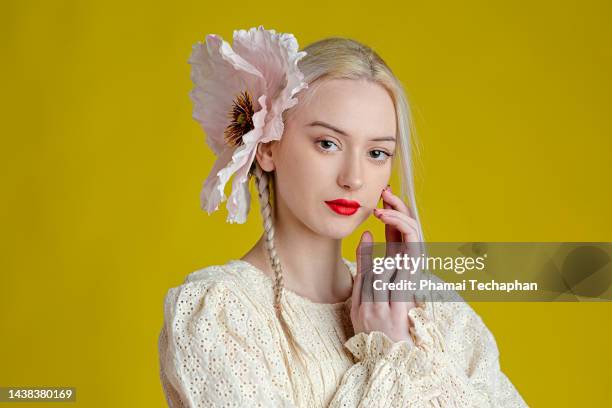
{"x":352,"y":106}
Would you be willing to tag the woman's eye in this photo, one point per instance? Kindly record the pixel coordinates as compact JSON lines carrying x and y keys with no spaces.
{"x":379,"y":155}
{"x":327,"y":145}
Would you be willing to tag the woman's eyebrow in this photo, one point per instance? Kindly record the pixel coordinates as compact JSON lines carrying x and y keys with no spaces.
{"x":335,"y":129}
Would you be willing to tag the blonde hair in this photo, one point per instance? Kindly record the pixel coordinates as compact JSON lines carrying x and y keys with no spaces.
{"x":342,"y":58}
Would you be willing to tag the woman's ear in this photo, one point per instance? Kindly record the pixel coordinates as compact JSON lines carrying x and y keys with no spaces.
{"x":264,"y":156}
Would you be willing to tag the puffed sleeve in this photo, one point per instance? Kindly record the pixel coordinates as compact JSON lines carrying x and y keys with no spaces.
{"x":213,"y":352}
{"x":397,"y":374}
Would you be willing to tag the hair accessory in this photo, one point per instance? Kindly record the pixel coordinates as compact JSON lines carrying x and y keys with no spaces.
{"x":239,"y":95}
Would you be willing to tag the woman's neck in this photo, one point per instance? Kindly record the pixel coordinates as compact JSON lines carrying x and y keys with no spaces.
{"x":312,"y":265}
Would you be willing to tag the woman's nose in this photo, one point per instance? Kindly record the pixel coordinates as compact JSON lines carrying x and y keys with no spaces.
{"x":351,"y":174}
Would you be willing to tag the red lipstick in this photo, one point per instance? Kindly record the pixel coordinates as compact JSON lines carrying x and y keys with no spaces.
{"x":344,"y":207}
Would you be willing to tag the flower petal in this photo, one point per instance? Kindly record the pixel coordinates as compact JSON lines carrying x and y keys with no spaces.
{"x":276,"y":56}
{"x":212,"y":194}
{"x":219,"y":75}
{"x":239,"y":201}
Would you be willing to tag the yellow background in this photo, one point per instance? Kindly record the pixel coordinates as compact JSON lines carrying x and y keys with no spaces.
{"x":101,"y":168}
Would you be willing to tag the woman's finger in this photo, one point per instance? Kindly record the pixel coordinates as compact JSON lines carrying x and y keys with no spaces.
{"x":381,"y":289}
{"x":363,"y":257}
{"x":356,"y":296}
{"x":395,"y":202}
{"x":409,"y":232}
{"x":391,"y":233}
{"x":411,"y":221}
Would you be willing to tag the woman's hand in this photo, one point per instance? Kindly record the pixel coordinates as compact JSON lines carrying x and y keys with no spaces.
{"x":387,"y":315}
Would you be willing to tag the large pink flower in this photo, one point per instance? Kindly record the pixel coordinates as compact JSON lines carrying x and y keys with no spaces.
{"x":239,"y":95}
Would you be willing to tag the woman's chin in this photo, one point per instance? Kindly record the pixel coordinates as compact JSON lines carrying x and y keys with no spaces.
{"x":339,"y":229}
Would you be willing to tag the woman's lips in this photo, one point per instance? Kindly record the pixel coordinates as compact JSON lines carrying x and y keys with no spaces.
{"x":343,"y":207}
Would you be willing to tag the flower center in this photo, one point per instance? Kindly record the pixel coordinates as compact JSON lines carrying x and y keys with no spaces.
{"x":241,"y":119}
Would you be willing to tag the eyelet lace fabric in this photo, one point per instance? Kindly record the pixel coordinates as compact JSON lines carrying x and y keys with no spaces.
{"x":221,"y":345}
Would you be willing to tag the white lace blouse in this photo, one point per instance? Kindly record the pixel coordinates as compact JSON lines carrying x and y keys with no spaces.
{"x":222,"y":345}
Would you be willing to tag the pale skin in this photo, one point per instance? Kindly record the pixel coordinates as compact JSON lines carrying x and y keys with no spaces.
{"x":338,"y":145}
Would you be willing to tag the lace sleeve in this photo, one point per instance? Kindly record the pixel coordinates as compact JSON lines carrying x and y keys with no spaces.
{"x":400,"y":375}
{"x":214,"y":352}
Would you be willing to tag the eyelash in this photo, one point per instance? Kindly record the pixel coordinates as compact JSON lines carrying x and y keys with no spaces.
{"x":318,"y":142}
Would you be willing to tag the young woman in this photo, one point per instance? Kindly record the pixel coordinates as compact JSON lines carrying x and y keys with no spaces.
{"x":284,"y":326}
